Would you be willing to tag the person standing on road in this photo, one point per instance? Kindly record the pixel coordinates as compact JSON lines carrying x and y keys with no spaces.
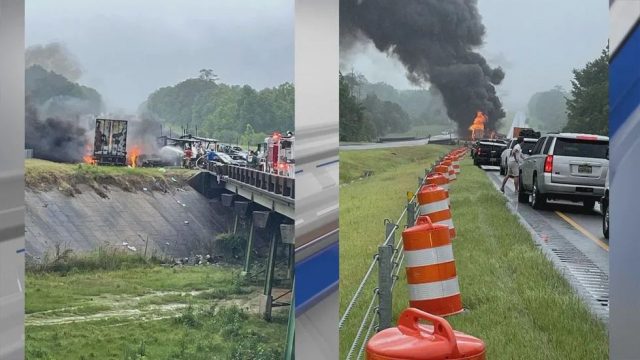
{"x":513,"y":164}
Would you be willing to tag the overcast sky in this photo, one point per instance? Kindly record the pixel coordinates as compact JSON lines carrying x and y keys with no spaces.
{"x":127,"y":49}
{"x":537,"y":43}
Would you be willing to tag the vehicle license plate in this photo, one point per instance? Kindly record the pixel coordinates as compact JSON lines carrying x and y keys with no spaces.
{"x":584,"y":169}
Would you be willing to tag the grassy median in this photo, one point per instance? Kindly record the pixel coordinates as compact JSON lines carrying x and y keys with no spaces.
{"x":514,"y":299}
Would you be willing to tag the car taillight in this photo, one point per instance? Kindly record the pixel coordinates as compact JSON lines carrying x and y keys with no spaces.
{"x":548,"y":164}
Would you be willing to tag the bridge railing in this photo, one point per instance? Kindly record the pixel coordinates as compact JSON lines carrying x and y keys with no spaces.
{"x":276,"y":184}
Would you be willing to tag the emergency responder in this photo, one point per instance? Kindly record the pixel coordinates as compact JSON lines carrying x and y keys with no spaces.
{"x":188,"y":153}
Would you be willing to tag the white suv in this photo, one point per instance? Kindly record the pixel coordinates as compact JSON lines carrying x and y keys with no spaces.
{"x":565,"y":166}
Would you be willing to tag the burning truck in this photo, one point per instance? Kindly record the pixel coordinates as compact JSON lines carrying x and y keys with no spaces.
{"x":477,"y":127}
{"x":110,"y":143}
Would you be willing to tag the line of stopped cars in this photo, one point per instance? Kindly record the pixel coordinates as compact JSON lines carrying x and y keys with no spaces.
{"x":556,"y":166}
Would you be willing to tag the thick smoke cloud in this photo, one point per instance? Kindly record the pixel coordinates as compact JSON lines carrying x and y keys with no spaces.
{"x":53,"y":138}
{"x":434,"y":39}
{"x":54,"y":57}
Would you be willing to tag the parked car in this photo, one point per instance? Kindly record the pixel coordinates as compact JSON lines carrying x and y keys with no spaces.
{"x":488,"y":152}
{"x":604,"y":207}
{"x":565,"y":166}
{"x":222,"y":158}
{"x":527,"y":145}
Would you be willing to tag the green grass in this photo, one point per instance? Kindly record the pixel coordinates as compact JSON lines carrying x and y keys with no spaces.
{"x":353,"y":164}
{"x":514,"y":299}
{"x":46,"y":291}
{"x":181,"y":313}
{"x":45,"y":175}
{"x":199,"y":333}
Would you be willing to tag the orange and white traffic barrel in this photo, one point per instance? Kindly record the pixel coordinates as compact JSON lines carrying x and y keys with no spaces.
{"x":442,"y":169}
{"x":452,"y":173}
{"x":439,"y":180}
{"x":412,"y":340}
{"x":434,"y":203}
{"x":455,"y":162}
{"x":431,"y":269}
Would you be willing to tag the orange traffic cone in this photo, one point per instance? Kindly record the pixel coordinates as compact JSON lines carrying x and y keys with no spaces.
{"x":411,"y":340}
{"x":434,"y":203}
{"x":431,"y":269}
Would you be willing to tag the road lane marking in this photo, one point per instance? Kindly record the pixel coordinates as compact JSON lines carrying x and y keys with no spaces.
{"x":584,"y":231}
{"x":327,"y":210}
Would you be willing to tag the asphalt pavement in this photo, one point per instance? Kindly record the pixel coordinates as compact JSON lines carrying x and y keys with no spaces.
{"x":392,"y":144}
{"x":572,"y":238}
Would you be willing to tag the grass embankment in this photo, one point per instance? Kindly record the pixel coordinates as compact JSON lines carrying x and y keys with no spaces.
{"x":514,"y":299}
{"x":140,"y":310}
{"x":42,"y":175}
{"x":354,"y":163}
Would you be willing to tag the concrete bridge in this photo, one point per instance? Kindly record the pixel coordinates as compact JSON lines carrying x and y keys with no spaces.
{"x":267,"y":201}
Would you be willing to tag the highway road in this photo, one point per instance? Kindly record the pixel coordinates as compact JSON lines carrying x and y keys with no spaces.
{"x":572,"y":237}
{"x":391,"y":144}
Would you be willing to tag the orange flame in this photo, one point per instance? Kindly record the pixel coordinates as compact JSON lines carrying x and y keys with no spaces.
{"x":477,"y":128}
{"x":133,"y":156}
{"x":88,"y":158}
{"x":478,"y":122}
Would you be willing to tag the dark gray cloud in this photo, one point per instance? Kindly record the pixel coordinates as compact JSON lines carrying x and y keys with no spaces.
{"x":436,"y":41}
{"x":127,"y":49}
{"x":537,"y":43}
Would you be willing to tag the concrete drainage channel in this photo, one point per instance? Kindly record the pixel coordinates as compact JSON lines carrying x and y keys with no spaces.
{"x":587,"y":279}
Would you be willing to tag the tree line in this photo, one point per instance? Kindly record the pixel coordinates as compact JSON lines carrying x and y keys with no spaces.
{"x":230,"y":113}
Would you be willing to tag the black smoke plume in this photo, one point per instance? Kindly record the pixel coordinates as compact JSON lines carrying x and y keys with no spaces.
{"x":434,"y":39}
{"x":53,"y":138}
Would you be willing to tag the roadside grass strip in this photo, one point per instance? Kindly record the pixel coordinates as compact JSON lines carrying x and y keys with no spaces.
{"x":514,"y":299}
{"x":149,"y":312}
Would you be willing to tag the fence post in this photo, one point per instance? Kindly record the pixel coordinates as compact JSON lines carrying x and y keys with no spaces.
{"x":385,"y":279}
{"x":411,"y":214}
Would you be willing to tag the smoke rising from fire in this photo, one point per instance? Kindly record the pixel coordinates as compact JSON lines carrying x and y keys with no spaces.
{"x":53,"y":138}
{"x":54,"y":57}
{"x":434,"y":40}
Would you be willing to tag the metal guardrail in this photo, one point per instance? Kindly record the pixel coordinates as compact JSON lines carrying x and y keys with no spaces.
{"x":276,"y":184}
{"x":389,"y":259}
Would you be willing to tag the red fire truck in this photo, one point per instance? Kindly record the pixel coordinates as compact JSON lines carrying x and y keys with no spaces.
{"x":278,"y":154}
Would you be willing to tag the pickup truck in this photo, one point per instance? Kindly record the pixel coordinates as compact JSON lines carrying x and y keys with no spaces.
{"x":488,"y":152}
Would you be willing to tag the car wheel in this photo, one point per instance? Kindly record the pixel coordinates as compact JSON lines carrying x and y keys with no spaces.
{"x":605,"y":223}
{"x":523,"y":197}
{"x":538,"y":200}
{"x":588,"y":204}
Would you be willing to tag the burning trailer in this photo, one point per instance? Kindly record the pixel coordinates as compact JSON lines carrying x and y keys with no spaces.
{"x":110,"y":143}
